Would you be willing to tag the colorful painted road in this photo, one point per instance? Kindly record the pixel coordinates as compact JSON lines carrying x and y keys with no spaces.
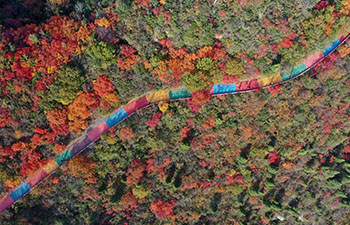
{"x":94,"y":133}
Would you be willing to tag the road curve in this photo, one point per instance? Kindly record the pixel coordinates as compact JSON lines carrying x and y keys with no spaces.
{"x":93,"y":133}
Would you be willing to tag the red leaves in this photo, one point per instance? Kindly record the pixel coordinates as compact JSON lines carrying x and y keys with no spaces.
{"x":171,"y":70}
{"x":151,"y":167}
{"x":321,"y":5}
{"x":268,"y":24}
{"x":103,"y":88}
{"x":328,"y":63}
{"x":274,"y":89}
{"x":205,"y":184}
{"x":166,"y":43}
{"x":135,"y":173}
{"x":5,"y":116}
{"x":6,"y":152}
{"x":126,"y":134}
{"x":143,"y":3}
{"x":229,"y":79}
{"x":167,"y":16}
{"x":216,"y":52}
{"x":347,"y":149}
{"x":335,"y":203}
{"x":58,"y":120}
{"x":273,"y":157}
{"x":201,"y":97}
{"x":163,"y":209}
{"x":287,"y":41}
{"x":134,"y":176}
{"x":83,"y":167}
{"x":237,"y":178}
{"x":125,"y":64}
{"x":346,"y":154}
{"x":39,"y":130}
{"x":194,"y":107}
{"x":55,"y":180}
{"x":45,"y":81}
{"x":185,"y":131}
{"x":102,"y":85}
{"x":156,"y":10}
{"x":128,"y":201}
{"x":79,"y":111}
{"x":262,"y":50}
{"x":127,"y":50}
{"x":209,"y":139}
{"x":222,"y":13}
{"x":36,"y":52}
{"x":129,"y":57}
{"x":20,"y":71}
{"x":155,"y":120}
{"x":209,"y":123}
{"x":327,"y":195}
{"x":30,"y":162}
{"x":19,"y":146}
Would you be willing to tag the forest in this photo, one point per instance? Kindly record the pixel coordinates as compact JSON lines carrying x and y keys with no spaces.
{"x":278,"y":154}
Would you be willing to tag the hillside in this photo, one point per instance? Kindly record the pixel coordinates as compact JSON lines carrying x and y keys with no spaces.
{"x":278,"y":155}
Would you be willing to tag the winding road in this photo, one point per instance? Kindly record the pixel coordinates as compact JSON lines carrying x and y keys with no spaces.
{"x":93,"y":133}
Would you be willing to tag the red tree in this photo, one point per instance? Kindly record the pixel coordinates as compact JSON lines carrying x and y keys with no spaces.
{"x":163,"y":209}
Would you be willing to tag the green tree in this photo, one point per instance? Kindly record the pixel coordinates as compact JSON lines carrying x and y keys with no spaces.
{"x":102,"y":55}
{"x":235,"y":67}
{"x":205,"y":64}
{"x":64,"y":89}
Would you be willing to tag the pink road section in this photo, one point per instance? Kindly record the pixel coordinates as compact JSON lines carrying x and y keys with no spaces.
{"x":96,"y":132}
{"x":310,"y":60}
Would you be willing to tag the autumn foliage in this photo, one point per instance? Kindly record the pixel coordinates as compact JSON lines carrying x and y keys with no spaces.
{"x":135,"y":173}
{"x":280,"y":153}
{"x":84,"y":167}
{"x":201,"y":97}
{"x":273,"y":157}
{"x":42,"y":54}
{"x":126,"y":134}
{"x":80,"y":111}
{"x":163,"y":209}
{"x":104,"y":88}
{"x":58,"y":120}
{"x":155,"y":120}
{"x":346,"y":7}
{"x":127,"y":58}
